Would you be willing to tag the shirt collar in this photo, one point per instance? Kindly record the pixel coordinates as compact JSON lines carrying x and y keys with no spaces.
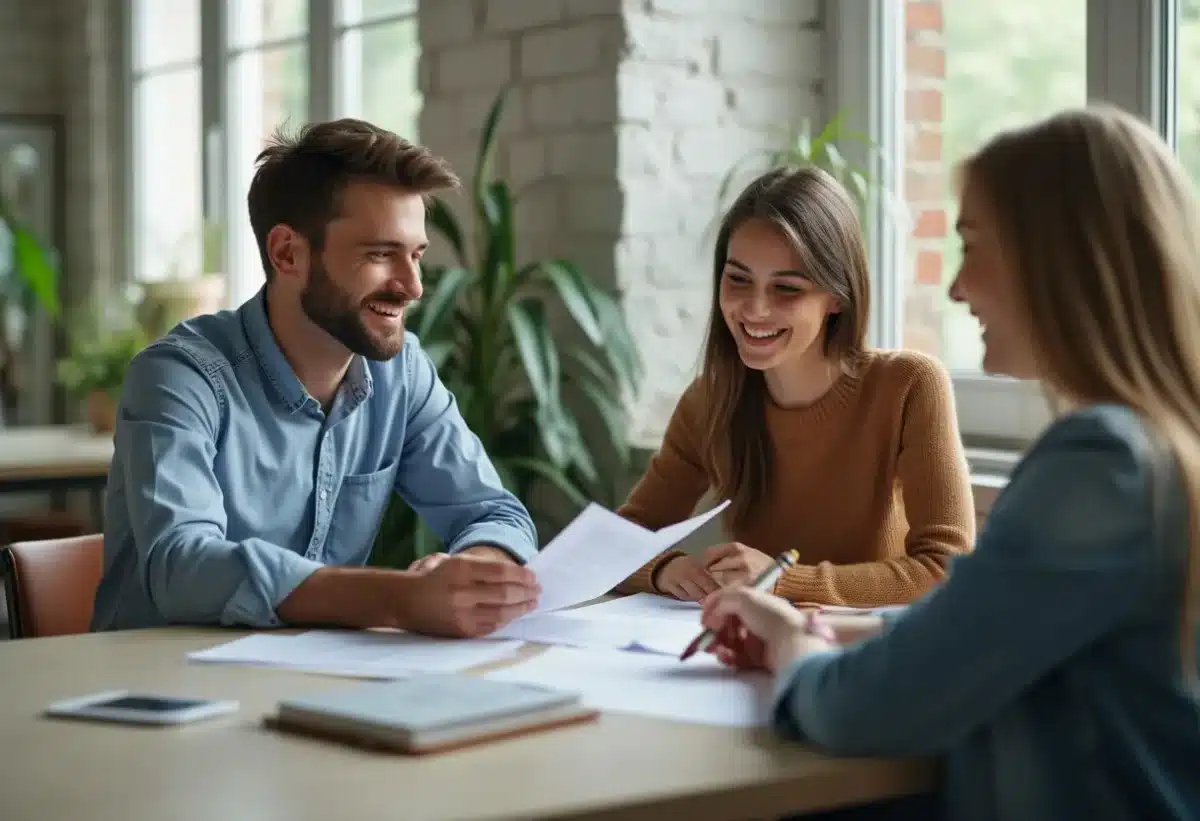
{"x":356,"y":387}
{"x":288,"y":388}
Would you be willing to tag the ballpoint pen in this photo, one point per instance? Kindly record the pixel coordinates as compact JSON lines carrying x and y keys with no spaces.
{"x":764,"y":582}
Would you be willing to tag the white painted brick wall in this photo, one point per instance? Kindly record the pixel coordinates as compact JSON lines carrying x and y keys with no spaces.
{"x":706,"y":82}
{"x":623,"y":120}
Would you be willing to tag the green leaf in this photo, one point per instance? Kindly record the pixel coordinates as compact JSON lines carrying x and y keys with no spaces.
{"x":437,"y":305}
{"x":34,"y":267}
{"x":596,"y":371}
{"x":619,"y":348}
{"x":837,"y":162}
{"x":499,"y":255}
{"x":576,"y":293}
{"x":439,"y":353}
{"x":552,"y":475}
{"x":487,"y":147}
{"x":578,"y":452}
{"x":443,"y":221}
{"x":553,"y":435}
{"x":610,"y":413}
{"x":523,"y":322}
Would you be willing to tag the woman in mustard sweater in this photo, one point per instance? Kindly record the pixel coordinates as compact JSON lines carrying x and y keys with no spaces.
{"x":850,"y":455}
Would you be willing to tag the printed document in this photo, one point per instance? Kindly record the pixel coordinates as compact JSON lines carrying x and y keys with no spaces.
{"x":700,"y":690}
{"x":597,"y":551}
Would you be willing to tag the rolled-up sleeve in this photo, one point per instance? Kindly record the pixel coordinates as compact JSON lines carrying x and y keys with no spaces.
{"x":448,"y":478}
{"x":166,"y":439}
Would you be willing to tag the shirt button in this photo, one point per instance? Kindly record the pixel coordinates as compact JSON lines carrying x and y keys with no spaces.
{"x":324,"y":495}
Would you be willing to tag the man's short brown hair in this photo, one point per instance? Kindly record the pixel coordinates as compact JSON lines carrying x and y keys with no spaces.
{"x":300,"y":178}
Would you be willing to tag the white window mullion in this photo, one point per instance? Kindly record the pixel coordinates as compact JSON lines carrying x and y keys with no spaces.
{"x":322,"y":100}
{"x":863,"y":60}
{"x":1126,"y":43}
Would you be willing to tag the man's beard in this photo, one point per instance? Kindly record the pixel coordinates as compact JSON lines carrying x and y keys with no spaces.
{"x":334,"y":311}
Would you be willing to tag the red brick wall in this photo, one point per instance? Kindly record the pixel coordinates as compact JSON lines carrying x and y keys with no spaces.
{"x":925,"y":173}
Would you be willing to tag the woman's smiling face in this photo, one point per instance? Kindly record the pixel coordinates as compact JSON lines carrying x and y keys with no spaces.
{"x":770,"y":305}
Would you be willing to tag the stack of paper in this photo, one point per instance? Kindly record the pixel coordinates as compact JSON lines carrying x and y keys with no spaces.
{"x":361,"y":654}
{"x":699,"y":690}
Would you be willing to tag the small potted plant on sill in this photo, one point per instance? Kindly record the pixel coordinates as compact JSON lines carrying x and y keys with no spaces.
{"x":95,"y":370}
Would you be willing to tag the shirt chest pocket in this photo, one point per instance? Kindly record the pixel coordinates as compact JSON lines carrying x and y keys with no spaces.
{"x":357,"y":512}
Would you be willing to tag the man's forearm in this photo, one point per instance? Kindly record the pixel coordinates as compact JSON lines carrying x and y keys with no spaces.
{"x":357,"y":597}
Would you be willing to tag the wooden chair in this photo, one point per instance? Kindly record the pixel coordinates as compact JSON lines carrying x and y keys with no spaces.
{"x":50,"y":585}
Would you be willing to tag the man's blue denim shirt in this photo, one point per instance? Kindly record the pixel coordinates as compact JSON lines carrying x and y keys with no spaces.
{"x":230,"y":486}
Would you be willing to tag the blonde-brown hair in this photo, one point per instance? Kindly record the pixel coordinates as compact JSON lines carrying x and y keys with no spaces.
{"x":1099,"y":226}
{"x":816,"y":215}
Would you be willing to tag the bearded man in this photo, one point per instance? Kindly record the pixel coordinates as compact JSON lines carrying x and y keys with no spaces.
{"x":257,"y":449}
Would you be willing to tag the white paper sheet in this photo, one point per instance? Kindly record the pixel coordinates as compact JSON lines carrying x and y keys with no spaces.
{"x":611,"y":633}
{"x":645,"y":606}
{"x":700,"y":690}
{"x":366,"y":654}
{"x":597,"y":551}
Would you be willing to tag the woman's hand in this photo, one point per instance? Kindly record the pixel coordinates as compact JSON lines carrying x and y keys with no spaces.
{"x":685,"y":578}
{"x":735,"y":563}
{"x":756,"y":630}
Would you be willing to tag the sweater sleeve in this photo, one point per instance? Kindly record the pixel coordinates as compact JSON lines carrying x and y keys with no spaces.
{"x":938,"y":504}
{"x":1067,"y":557}
{"x":673,"y":483}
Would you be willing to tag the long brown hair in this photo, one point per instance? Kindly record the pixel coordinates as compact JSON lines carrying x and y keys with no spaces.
{"x":1099,"y":224}
{"x":812,"y":211}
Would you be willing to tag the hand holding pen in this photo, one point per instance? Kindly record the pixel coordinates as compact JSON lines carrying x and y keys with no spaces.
{"x":764,"y":582}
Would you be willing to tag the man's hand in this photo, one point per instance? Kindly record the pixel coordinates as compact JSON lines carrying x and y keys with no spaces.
{"x":469,"y":595}
{"x":483,"y":551}
{"x":685,"y":578}
{"x":735,"y":563}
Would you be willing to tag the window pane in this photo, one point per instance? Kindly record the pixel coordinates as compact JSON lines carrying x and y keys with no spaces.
{"x":268,"y":90}
{"x":972,"y":69}
{"x":1188,"y":85}
{"x":379,"y":75}
{"x":254,"y":22}
{"x":165,"y":33}
{"x":352,"y":12}
{"x":167,"y":172}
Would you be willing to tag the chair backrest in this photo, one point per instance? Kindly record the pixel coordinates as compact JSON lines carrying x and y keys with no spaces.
{"x":50,"y":585}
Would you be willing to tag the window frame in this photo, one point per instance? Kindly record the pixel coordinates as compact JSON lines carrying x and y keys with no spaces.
{"x":992,"y":411}
{"x":132,"y":77}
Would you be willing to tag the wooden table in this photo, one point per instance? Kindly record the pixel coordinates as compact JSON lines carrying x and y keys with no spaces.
{"x":55,"y":458}
{"x":232,"y":768}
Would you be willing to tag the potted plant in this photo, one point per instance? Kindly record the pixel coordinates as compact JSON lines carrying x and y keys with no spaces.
{"x":183,"y":294}
{"x":101,"y":350}
{"x":486,"y":323}
{"x":804,"y":149}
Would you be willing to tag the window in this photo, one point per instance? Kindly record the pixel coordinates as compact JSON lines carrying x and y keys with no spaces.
{"x":167,"y":188}
{"x":377,"y":64}
{"x":268,"y":89}
{"x":943,"y":77}
{"x":971,"y":70}
{"x":211,"y":80}
{"x":1187,"y":70}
